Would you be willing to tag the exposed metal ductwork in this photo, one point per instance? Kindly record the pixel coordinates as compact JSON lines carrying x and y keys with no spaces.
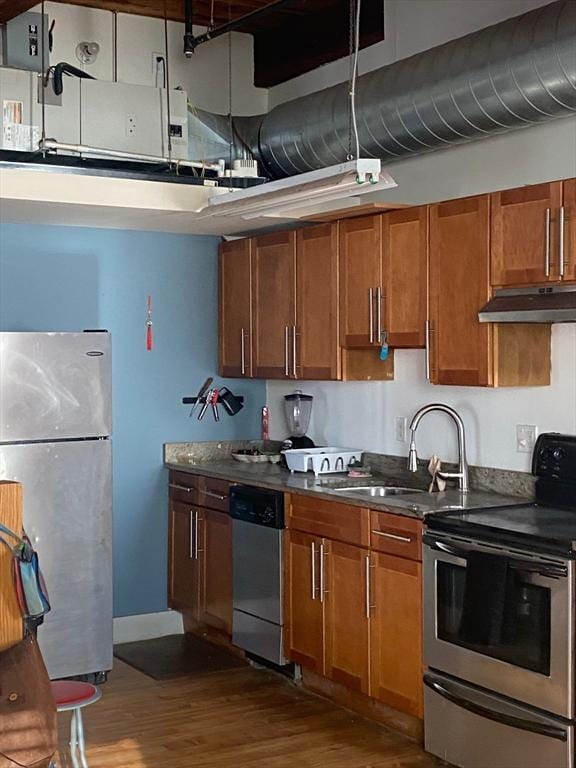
{"x":511,"y":75}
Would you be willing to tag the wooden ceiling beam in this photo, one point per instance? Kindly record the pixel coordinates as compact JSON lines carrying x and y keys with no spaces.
{"x":9,"y":9}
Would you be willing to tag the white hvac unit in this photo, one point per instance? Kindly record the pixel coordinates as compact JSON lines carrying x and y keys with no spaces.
{"x":110,"y":116}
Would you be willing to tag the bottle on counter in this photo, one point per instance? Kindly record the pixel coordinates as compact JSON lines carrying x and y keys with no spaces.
{"x":265,"y":424}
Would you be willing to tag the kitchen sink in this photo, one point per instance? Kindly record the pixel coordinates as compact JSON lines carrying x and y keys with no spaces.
{"x":377,"y":491}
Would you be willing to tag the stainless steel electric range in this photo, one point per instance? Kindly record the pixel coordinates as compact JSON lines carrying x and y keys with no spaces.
{"x":499,"y":633}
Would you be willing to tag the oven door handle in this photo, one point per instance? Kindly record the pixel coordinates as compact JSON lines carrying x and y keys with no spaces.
{"x":498,"y":717}
{"x":547,"y":570}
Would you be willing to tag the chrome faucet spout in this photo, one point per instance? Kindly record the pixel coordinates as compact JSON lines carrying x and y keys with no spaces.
{"x":462,"y":474}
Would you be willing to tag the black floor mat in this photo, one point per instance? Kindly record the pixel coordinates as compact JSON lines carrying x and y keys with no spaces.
{"x":175,"y":656}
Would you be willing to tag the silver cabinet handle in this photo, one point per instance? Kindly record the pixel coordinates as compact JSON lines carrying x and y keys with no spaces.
{"x":177,"y":487}
{"x":561,"y":220}
{"x":192,"y":529}
{"x":313,"y":569}
{"x":394,"y":536}
{"x":242,"y":352}
{"x":547,"y":244}
{"x":214,"y":495}
{"x":371,"y":313}
{"x":368,"y":598}
{"x":197,"y":550}
{"x":286,"y":344}
{"x":379,"y":329}
{"x":427,"y":343}
{"x":294,"y":351}
{"x":322,"y":573}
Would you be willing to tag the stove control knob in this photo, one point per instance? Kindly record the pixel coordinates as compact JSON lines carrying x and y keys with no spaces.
{"x":559,"y":454}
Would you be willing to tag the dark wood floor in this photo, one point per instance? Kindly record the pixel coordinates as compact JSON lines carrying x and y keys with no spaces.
{"x":234,"y":719}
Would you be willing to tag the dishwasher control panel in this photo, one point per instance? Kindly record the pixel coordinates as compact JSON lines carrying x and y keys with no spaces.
{"x":257,"y":505}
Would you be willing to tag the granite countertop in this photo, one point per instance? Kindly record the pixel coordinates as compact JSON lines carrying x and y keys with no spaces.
{"x":416,"y":505}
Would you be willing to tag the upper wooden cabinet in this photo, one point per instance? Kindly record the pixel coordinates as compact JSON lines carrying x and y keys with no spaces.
{"x":316,"y":348}
{"x":404,"y":265}
{"x":526,"y":234}
{"x":569,"y":229}
{"x":459,"y":287}
{"x":463,"y":351}
{"x":274,"y":305}
{"x":360,"y":280}
{"x":383,"y":279}
{"x":235,"y":308}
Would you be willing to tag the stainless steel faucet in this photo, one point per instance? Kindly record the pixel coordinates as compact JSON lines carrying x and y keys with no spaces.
{"x":462,"y":473}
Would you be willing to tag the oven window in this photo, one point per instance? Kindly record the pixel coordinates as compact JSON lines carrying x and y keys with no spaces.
{"x":528,"y":644}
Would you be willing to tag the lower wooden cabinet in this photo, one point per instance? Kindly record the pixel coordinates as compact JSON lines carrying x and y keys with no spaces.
{"x":346,"y":610}
{"x":215,"y":570}
{"x":303,"y":608}
{"x":183,"y":567}
{"x":396,"y":632}
{"x":199,"y":558}
{"x":355,"y":617}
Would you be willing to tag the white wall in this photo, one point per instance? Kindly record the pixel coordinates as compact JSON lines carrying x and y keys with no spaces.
{"x":411,"y":26}
{"x":361,"y":415}
{"x":204,"y":77}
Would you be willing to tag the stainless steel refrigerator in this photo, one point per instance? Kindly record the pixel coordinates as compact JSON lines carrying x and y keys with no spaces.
{"x":55,"y":426}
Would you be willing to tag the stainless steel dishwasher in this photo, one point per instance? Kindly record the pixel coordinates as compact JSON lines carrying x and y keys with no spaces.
{"x":257,"y":525}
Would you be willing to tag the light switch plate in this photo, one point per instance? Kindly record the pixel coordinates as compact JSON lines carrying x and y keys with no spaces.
{"x":401,"y":428}
{"x":526,"y":435}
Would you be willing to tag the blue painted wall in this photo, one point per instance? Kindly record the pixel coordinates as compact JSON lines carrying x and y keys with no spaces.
{"x":68,"y":279}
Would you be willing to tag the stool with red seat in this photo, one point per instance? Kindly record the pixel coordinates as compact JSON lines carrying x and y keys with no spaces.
{"x":73,"y":696}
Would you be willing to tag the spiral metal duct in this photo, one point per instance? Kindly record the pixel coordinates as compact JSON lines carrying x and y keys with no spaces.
{"x":514,"y":74}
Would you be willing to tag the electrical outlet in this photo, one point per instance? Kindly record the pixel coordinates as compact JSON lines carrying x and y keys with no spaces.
{"x":526,"y":435}
{"x":401,"y":429}
{"x":130,"y":125}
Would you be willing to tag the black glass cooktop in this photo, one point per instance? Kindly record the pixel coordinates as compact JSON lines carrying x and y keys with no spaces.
{"x":533,"y":525}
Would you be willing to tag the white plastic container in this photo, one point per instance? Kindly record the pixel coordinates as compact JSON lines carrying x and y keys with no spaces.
{"x":322,"y":461}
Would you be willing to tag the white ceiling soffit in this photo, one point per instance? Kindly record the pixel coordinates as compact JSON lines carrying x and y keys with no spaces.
{"x":50,"y":197}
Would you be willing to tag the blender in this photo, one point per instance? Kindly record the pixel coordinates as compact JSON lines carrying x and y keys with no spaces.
{"x":298,"y":409}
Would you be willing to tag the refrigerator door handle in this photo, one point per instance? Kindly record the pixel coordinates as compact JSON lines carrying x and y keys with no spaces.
{"x":498,"y":717}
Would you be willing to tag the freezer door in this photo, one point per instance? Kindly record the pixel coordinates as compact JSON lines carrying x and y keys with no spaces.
{"x":54,"y":386}
{"x":471,"y":728}
{"x":68,"y":516}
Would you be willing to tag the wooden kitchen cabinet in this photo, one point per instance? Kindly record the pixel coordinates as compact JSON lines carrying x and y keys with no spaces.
{"x":524,"y":241}
{"x":200,"y":550}
{"x":396,"y":633}
{"x":303,"y":609}
{"x":183,"y":581}
{"x":459,"y":287}
{"x":360,"y":280}
{"x":274,"y":305}
{"x":316,"y":350}
{"x":215,"y":570}
{"x":346,"y":606}
{"x":462,"y":351}
{"x":569,"y":202}
{"x":235,"y":308}
{"x":404,"y":266}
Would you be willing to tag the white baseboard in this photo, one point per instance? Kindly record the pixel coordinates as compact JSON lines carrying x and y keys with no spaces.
{"x":147,"y":626}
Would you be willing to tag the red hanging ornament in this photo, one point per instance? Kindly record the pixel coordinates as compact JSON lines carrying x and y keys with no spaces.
{"x":149,"y":331}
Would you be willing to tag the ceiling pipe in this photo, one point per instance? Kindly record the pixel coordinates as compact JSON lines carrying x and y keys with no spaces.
{"x":514,"y":74}
{"x":235,"y":25}
{"x":189,"y":44}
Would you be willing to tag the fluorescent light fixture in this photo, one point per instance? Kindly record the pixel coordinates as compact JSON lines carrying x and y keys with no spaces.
{"x":287,"y":196}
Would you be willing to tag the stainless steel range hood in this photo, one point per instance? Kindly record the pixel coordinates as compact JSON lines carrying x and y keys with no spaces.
{"x":541,"y":304}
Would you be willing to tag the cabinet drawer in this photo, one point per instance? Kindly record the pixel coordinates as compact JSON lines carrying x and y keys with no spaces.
{"x":183,"y":487}
{"x":341,"y":522}
{"x":396,"y":535}
{"x":213,"y":493}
